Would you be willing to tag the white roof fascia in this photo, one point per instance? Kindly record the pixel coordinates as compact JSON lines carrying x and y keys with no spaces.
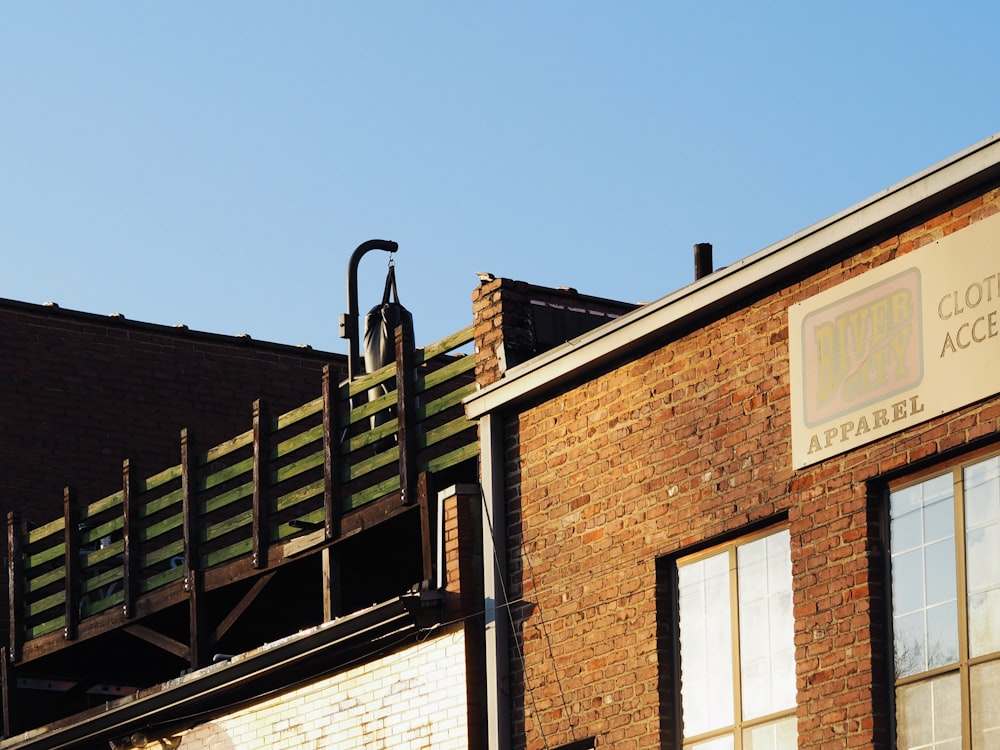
{"x":612,"y":341}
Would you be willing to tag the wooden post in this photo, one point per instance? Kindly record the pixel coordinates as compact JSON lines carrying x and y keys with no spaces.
{"x":192,"y":574}
{"x":71,"y":548}
{"x":406,"y":407}
{"x":9,"y":680}
{"x":261,"y":433}
{"x":130,"y":537}
{"x":426,"y":545}
{"x":15,"y":581}
{"x":332,"y":503}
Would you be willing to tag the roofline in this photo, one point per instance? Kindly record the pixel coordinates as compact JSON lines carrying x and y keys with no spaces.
{"x":679,"y":310}
{"x":116,"y":320}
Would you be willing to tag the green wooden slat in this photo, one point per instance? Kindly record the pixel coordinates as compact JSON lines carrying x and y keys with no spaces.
{"x":157,"y":556}
{"x":158,"y":480}
{"x":369,"y":494}
{"x":222,"y":528}
{"x":229,"y":496}
{"x":55,"y":552}
{"x":44,"y":628}
{"x":366,"y":410}
{"x":37,"y":607}
{"x":445,"y":431}
{"x":103,"y":605}
{"x":46,"y":579}
{"x":224,"y":449}
{"x":369,"y":437}
{"x":94,"y":535}
{"x":438,"y":405}
{"x":95,"y":583}
{"x":286,"y":530}
{"x":446,"y":373}
{"x":104,"y":504}
{"x":40,"y":532}
{"x":301,"y":412}
{"x":90,"y":558}
{"x":457,"y":456}
{"x":363,"y":382}
{"x":148,"y":533}
{"x":300,"y":495}
{"x":292,"y":444}
{"x":297,"y":467}
{"x":162,"y":503}
{"x":224,"y":475}
{"x":160,"y":579}
{"x":217,"y":557}
{"x":454,"y":341}
{"x":375,"y":462}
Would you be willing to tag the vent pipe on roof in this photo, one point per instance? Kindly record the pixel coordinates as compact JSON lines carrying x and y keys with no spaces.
{"x":702,"y":260}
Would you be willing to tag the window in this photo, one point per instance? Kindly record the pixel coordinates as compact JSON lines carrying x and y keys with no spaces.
{"x":737,"y":655}
{"x":946,"y":608}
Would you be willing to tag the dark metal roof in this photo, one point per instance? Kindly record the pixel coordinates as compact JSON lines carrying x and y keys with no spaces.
{"x":195,"y":697}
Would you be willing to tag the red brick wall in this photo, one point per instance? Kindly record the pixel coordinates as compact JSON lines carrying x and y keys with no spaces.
{"x":679,"y":448}
{"x":79,"y":393}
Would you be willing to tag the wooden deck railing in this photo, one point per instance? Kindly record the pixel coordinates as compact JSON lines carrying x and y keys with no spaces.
{"x":291,"y":474}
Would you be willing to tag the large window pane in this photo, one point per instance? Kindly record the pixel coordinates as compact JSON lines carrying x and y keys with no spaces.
{"x":982,"y":550}
{"x":777,"y":735}
{"x":956,"y":704}
{"x":928,"y":714}
{"x":924,"y":584}
{"x":766,"y":627}
{"x":706,"y":645}
{"x":985,"y":679}
{"x":757,"y":576}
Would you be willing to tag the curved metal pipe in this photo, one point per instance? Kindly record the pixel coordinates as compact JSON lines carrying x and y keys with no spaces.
{"x":349,"y":322}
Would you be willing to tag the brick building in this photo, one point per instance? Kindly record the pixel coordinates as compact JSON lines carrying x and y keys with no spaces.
{"x":238,"y":541}
{"x":79,"y":393}
{"x":763,"y":511}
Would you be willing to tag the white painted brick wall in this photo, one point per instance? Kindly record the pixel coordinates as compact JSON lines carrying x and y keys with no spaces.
{"x":410,"y":700}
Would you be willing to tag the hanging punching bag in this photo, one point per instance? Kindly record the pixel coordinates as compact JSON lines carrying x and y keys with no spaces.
{"x":380,"y":341}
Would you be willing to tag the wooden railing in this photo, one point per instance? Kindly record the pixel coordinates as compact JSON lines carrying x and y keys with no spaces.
{"x":292,"y":474}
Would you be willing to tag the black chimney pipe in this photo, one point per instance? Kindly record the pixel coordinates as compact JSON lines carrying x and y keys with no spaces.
{"x":702,"y":260}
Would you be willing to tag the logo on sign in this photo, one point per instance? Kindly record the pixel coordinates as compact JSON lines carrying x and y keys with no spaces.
{"x":863,"y":348}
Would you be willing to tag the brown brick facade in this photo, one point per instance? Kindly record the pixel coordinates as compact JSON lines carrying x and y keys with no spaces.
{"x":680,"y":448}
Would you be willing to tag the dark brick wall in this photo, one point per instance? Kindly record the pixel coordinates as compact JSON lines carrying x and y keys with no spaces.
{"x":79,"y":393}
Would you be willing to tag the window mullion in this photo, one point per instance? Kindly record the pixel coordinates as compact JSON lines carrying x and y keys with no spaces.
{"x":734,"y":609}
{"x":963,"y":604}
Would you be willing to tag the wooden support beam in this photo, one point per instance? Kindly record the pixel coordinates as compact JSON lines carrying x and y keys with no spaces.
{"x":333,"y":605}
{"x":159,"y":640}
{"x":15,"y":584}
{"x":236,"y":612}
{"x":193,"y":577}
{"x":71,"y":560}
{"x":332,"y":499}
{"x":197,"y":628}
{"x":426,"y":538}
{"x":261,"y":433}
{"x":130,"y":536}
{"x":406,"y":411}
{"x":9,"y":679}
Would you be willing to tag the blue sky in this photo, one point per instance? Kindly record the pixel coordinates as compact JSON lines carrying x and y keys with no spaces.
{"x":216,"y":163}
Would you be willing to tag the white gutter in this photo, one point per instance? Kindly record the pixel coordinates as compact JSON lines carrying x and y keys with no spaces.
{"x":614,"y":340}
